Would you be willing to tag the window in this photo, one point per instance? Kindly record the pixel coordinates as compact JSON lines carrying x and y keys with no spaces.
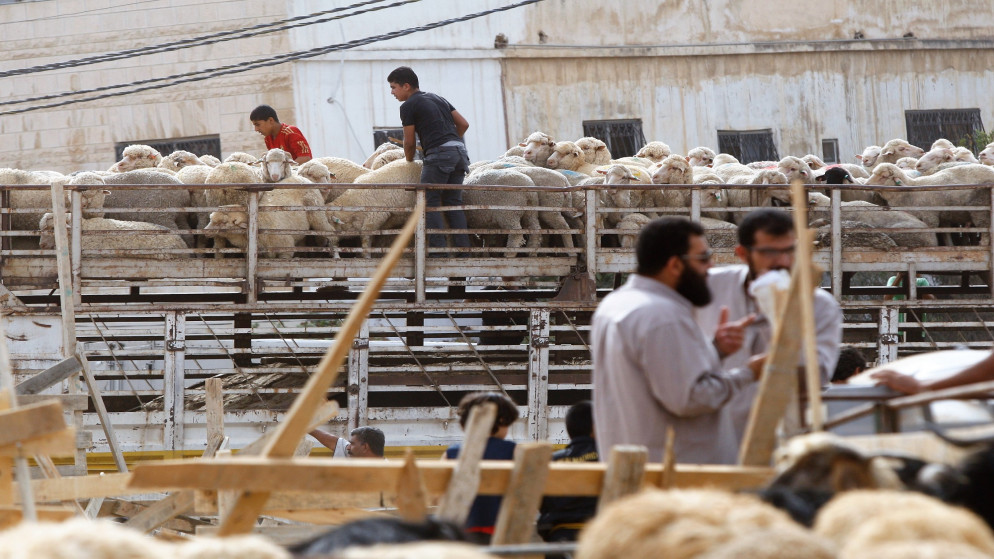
{"x":956,"y":125}
{"x":748,"y":145}
{"x":199,"y":145}
{"x":623,"y":137}
{"x":830,"y":150}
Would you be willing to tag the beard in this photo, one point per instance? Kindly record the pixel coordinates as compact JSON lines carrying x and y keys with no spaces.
{"x":694,"y":287}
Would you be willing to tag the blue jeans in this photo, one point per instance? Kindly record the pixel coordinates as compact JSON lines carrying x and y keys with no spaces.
{"x":445,"y":165}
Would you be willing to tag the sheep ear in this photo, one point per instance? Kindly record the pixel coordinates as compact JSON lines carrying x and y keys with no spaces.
{"x":820,"y":178}
{"x":522,"y":144}
{"x":601,"y":171}
{"x":106,"y":192}
{"x":859,"y":156}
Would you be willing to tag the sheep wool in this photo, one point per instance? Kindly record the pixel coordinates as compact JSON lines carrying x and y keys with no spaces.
{"x":79,"y":538}
{"x":775,"y":543}
{"x":418,"y":550}
{"x":942,"y":523}
{"x":916,"y":550}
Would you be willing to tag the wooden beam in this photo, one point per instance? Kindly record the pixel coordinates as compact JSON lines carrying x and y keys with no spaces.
{"x":87,"y":487}
{"x":214,"y":399}
{"x":68,"y":401}
{"x":296,"y":423}
{"x":50,"y":376}
{"x":625,"y":473}
{"x":519,"y":507}
{"x":12,"y":516}
{"x":26,"y":422}
{"x":799,"y":200}
{"x":139,"y":516}
{"x":367,"y":475}
{"x":412,"y":502}
{"x":465,"y":482}
{"x":180,"y":502}
{"x":98,"y":404}
{"x":60,"y":443}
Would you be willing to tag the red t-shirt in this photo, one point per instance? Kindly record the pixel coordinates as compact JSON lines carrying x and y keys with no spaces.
{"x":291,"y":139}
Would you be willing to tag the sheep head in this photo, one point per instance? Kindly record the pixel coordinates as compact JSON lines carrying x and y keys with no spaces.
{"x":887,"y":174}
{"x":987,"y":156}
{"x":656,"y":151}
{"x":566,"y":155}
{"x":794,"y":168}
{"x":316,"y":172}
{"x":942,"y":143}
{"x":617,"y":174}
{"x":700,"y":157}
{"x":277,"y":165}
{"x":138,"y":156}
{"x":835,"y":175}
{"x":869,"y":156}
{"x":179,"y":159}
{"x":674,"y":169}
{"x":724,"y":159}
{"x":907,"y":163}
{"x":814,"y":162}
{"x":228,"y":217}
{"x":594,"y":151}
{"x":965,"y":155}
{"x":898,"y":148}
{"x":931,"y":160}
{"x":241,"y":157}
{"x":538,"y":147}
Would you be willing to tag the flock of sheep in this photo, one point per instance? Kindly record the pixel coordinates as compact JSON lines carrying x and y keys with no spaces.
{"x":329,"y":213}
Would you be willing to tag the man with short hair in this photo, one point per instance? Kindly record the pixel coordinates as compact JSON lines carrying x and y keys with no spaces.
{"x":766,"y":242}
{"x":561,"y":518}
{"x":653,"y":367}
{"x":440,"y":128}
{"x":363,"y":442}
{"x":279,"y":135}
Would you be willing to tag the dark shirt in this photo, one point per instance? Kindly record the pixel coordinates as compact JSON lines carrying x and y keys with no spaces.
{"x":483,"y":515}
{"x":431,"y":116}
{"x":569,"y":512}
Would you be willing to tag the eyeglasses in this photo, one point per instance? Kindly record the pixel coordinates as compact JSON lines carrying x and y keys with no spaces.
{"x":770,"y":252}
{"x":702,"y":257}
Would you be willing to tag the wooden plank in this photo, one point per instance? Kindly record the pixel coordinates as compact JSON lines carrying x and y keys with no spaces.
{"x":60,"y":443}
{"x":205,"y":502}
{"x":134,"y":511}
{"x":87,"y":487}
{"x":180,"y":502}
{"x":519,"y":507}
{"x":297,"y":421}
{"x":280,"y":535}
{"x":367,"y":475}
{"x":98,"y":404}
{"x":668,"y":473}
{"x":799,"y":200}
{"x":51,"y":472}
{"x":50,"y":376}
{"x":12,"y":516}
{"x":412,"y":504}
{"x":68,"y":401}
{"x":465,"y":482}
{"x":325,"y":413}
{"x":30,"y":421}
{"x":214,"y":400}
{"x":625,"y":473}
{"x":329,"y":516}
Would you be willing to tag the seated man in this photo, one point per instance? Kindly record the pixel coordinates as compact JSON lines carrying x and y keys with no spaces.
{"x":363,"y":442}
{"x":561,"y":518}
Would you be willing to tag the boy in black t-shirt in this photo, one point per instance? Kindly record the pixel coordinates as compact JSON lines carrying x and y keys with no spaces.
{"x":440,"y":127}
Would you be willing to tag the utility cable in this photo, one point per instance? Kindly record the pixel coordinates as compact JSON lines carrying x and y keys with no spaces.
{"x":240,"y":33}
{"x":259,"y":63}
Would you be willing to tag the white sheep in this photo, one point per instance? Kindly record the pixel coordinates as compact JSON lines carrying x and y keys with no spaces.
{"x":164,"y":238}
{"x":595,"y":151}
{"x":569,"y":156}
{"x":700,"y":157}
{"x":382,"y":148}
{"x":241,"y":157}
{"x":149,"y":198}
{"x":137,"y":156}
{"x":965,"y":155}
{"x":896,"y":149}
{"x":388,"y":156}
{"x":987,"y":155}
{"x":676,"y":524}
{"x":295,"y":223}
{"x":514,"y":150}
{"x":775,"y":543}
{"x":316,"y":172}
{"x":537,"y":148}
{"x":930,"y":160}
{"x":516,"y":221}
{"x":878,"y":217}
{"x":209,"y":160}
{"x":655,"y":150}
{"x":675,"y":169}
{"x":910,"y":164}
{"x":942,"y":143}
{"x":794,"y":168}
{"x":179,"y":159}
{"x":553,"y":219}
{"x":629,"y":228}
{"x":92,"y":198}
{"x":869,"y":157}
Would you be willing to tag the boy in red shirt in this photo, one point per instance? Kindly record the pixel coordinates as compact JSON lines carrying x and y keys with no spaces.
{"x":279,"y":135}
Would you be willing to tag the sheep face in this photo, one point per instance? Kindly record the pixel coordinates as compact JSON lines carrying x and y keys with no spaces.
{"x":655,"y":151}
{"x":869,"y":156}
{"x":794,"y":169}
{"x":138,"y":156}
{"x":538,"y":147}
{"x":835,"y":175}
{"x":896,"y":149}
{"x":814,"y":162}
{"x":886,"y":174}
{"x":594,"y":151}
{"x":700,"y":157}
{"x":931,"y":160}
{"x":965,"y":155}
{"x":566,"y":155}
{"x":316,"y":172}
{"x":673,"y":170}
{"x":907,"y":163}
{"x":227,"y":217}
{"x":276,"y":165}
{"x":987,"y":156}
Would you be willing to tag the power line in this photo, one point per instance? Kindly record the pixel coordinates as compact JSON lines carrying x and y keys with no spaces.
{"x":240,"y":33}
{"x":258,"y":63}
{"x":81,"y":12}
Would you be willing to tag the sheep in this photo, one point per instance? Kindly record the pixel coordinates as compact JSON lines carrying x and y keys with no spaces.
{"x":964,"y":155}
{"x":316,"y":172}
{"x":724,"y":159}
{"x":794,"y":168}
{"x":631,"y":224}
{"x":759,"y":165}
{"x":855,"y":234}
{"x":896,"y":149}
{"x":775,"y":543}
{"x":230,"y":172}
{"x":676,"y":524}
{"x":656,"y":151}
{"x":753,"y":197}
{"x":351,"y":223}
{"x":167,"y":240}
{"x":538,"y":147}
{"x":388,"y":156}
{"x":241,"y":157}
{"x":150,"y":199}
{"x":676,"y":170}
{"x":942,"y":143}
{"x":861,"y":518}
{"x":702,"y":174}
{"x":194,"y":174}
{"x":296,"y":222}
{"x":595,"y":151}
{"x":552,"y":219}
{"x":878,"y":218}
{"x":928,"y":162}
{"x":342,"y":170}
{"x":517,"y":151}
{"x":382,"y":148}
{"x":502,"y":163}
{"x":643,"y":162}
{"x":518,"y":221}
{"x":92,"y":198}
{"x":987,"y":155}
{"x":137,"y":156}
{"x":178,"y":160}
{"x":930,"y":549}
{"x":209,"y":160}
{"x":909,"y":164}
{"x":277,"y":166}
{"x":869,"y":157}
{"x":700,"y":157}
{"x":567,"y":155}
{"x":835,"y":175}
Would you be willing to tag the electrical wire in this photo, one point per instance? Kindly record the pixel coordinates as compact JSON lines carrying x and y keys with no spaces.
{"x":81,"y":12}
{"x":258,"y":63}
{"x":240,"y":33}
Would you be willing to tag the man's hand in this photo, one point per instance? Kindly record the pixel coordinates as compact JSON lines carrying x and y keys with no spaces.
{"x":730,"y":335}
{"x":897,"y":381}
{"x":756,"y":364}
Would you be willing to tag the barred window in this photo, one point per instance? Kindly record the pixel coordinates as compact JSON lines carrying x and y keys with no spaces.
{"x":748,"y":145}
{"x":956,"y":125}
{"x":198,"y":145}
{"x":830,"y":150}
{"x":624,"y":138}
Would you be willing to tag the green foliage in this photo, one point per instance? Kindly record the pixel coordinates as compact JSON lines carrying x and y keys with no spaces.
{"x":977,"y":141}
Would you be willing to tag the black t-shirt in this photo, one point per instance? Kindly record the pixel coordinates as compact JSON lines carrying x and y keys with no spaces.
{"x":431,"y":116}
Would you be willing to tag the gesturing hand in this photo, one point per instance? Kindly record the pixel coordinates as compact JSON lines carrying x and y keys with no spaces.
{"x":729,"y":336}
{"x":897,"y":381}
